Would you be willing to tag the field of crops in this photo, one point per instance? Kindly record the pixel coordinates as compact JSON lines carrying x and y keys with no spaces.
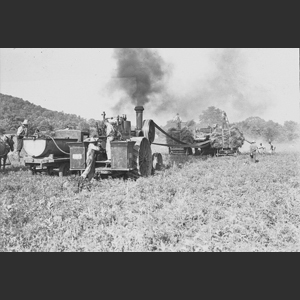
{"x":193,"y":204}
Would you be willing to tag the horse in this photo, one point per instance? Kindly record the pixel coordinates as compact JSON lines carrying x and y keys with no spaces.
{"x":6,"y":145}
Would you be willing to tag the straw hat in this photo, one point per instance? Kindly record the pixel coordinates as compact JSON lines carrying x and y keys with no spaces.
{"x":112,"y":121}
{"x":91,"y":140}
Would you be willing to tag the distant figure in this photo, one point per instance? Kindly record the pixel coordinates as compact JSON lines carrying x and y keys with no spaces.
{"x":67,"y":128}
{"x":21,"y":133}
{"x":89,"y":172}
{"x":214,"y":127}
{"x":225,"y":120}
{"x":178,"y":121}
{"x":253,"y":151}
{"x":272,"y":148}
{"x":261,"y":149}
{"x":36,"y":133}
{"x":6,"y":145}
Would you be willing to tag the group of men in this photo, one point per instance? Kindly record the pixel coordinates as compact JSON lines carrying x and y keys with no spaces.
{"x":254,"y":150}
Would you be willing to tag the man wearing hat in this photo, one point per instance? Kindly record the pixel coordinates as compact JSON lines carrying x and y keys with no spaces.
{"x":272,"y":148}
{"x":89,"y":172}
{"x":178,"y":121}
{"x":253,"y":151}
{"x":21,"y":133}
{"x":261,"y":149}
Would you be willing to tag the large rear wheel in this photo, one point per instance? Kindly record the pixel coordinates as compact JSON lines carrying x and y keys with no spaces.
{"x":142,"y":158}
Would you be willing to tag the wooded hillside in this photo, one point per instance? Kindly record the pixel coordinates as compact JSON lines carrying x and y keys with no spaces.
{"x":14,"y":110}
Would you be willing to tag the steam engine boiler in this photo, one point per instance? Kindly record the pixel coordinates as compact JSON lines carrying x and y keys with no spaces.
{"x":131,"y":153}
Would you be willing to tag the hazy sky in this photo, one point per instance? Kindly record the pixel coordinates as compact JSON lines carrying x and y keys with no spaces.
{"x":260,"y":82}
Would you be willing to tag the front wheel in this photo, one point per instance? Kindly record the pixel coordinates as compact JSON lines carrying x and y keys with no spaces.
{"x":142,"y":157}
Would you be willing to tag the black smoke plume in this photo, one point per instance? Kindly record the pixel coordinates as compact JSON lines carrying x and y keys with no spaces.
{"x":142,"y":72}
{"x":227,"y":86}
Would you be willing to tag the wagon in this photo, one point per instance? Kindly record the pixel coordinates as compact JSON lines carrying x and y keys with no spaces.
{"x":51,"y":154}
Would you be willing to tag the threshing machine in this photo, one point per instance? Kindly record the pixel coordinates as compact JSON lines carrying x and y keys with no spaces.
{"x":217,"y":141}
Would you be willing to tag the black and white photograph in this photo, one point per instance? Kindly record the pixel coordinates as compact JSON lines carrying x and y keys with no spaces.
{"x":149,"y":150}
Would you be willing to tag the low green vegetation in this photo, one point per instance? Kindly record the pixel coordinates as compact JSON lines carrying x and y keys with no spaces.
{"x":193,"y":204}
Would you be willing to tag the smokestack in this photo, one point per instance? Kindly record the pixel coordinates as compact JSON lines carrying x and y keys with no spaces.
{"x":139,"y":117}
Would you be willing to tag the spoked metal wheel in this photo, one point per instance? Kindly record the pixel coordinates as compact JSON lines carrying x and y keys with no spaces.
{"x":142,"y":157}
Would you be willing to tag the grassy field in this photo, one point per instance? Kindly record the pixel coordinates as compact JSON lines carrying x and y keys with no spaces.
{"x":193,"y":204}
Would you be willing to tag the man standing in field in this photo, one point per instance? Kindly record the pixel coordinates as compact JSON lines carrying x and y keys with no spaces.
{"x":261,"y":149}
{"x":272,"y":148}
{"x":253,"y":151}
{"x":21,"y":133}
{"x":89,"y":172}
{"x":178,"y":121}
{"x":225,"y":121}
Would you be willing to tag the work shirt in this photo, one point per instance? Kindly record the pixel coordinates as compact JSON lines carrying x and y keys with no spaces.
{"x":177,"y":119}
{"x":91,"y":150}
{"x":110,"y":131}
{"x":21,"y":132}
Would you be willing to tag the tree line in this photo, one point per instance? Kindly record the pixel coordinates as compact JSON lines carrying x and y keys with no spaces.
{"x":252,"y":127}
{"x":14,"y":110}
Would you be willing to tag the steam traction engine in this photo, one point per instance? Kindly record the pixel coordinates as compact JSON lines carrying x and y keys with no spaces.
{"x":131,"y":153}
